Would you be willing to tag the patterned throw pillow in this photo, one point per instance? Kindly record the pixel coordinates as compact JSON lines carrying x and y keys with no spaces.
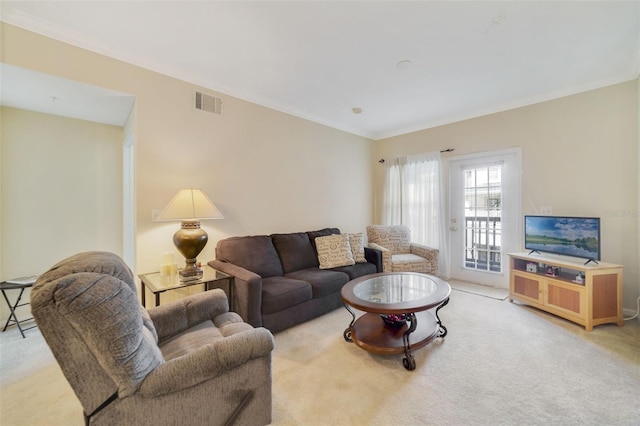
{"x":334,"y":251}
{"x":356,"y":241}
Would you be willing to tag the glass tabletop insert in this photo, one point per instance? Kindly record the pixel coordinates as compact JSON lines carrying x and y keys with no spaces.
{"x":395,"y":288}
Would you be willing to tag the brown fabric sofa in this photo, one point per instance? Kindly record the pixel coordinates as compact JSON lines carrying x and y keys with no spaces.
{"x":189,"y":362}
{"x":278,"y":281}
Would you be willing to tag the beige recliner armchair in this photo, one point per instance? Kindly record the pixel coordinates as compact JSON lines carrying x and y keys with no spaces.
{"x":399,"y":254}
{"x":189,"y":362}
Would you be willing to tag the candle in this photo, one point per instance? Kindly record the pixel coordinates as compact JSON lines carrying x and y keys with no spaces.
{"x":169,"y":267}
{"x":167,"y":258}
{"x":165,"y":270}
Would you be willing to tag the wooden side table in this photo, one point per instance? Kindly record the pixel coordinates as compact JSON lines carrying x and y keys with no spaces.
{"x":13,"y":319}
{"x":211,"y":279}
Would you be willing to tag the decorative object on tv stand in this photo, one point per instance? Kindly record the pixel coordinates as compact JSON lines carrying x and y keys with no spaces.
{"x":190,"y":206}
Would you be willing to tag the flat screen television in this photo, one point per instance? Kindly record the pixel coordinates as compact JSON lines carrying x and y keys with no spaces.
{"x":568,"y":236}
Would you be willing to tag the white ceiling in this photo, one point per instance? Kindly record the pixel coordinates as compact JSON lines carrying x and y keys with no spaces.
{"x":320,"y":59}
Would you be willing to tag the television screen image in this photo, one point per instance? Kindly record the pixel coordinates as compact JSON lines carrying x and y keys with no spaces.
{"x":568,"y":236}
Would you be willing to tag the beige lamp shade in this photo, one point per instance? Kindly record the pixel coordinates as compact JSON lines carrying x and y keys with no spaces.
{"x":190,"y":204}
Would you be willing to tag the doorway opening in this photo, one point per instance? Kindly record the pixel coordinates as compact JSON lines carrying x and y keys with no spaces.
{"x":484,"y":211}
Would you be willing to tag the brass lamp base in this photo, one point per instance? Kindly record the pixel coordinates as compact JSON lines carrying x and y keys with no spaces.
{"x":191,"y":272}
{"x":190,"y":239}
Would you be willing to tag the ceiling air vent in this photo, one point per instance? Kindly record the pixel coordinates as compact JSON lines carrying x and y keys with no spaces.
{"x":208,"y":103}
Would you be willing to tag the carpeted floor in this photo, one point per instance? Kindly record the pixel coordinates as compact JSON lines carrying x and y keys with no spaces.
{"x":500,"y":364}
{"x":480,"y":290}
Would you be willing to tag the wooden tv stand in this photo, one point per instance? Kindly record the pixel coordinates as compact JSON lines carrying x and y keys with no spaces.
{"x":597,"y":300}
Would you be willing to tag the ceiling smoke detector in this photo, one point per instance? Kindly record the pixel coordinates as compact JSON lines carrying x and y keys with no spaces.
{"x":403,"y":65}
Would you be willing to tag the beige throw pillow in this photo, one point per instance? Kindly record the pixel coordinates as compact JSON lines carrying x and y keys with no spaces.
{"x":334,"y":251}
{"x":356,"y":241}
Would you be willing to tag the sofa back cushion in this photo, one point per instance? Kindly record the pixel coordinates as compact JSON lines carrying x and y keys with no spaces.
{"x":395,"y":238}
{"x":295,"y":251}
{"x":88,"y":312}
{"x":255,"y":253}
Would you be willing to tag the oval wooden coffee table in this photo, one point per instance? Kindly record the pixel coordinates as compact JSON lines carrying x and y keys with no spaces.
{"x":394,"y":304}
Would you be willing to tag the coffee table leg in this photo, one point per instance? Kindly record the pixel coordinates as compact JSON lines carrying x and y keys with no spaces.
{"x":443,"y":330}
{"x":347,"y":331}
{"x":408,"y":361}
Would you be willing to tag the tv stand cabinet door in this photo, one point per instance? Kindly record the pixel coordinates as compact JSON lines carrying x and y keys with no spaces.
{"x":566,"y":300}
{"x":526,"y":287}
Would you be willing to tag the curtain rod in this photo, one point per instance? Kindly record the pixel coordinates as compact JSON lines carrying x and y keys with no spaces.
{"x":381,"y":161}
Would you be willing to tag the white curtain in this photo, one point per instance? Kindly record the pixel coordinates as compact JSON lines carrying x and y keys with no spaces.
{"x":392,"y":208}
{"x":413,"y":197}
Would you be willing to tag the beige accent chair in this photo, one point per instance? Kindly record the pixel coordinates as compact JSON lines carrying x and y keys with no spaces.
{"x":188,"y":362}
{"x":399,"y":254}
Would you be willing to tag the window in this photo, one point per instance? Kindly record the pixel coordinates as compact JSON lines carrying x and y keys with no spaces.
{"x":482,"y":218}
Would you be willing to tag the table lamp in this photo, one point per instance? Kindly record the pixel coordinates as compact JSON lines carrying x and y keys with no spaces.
{"x":190,"y":206}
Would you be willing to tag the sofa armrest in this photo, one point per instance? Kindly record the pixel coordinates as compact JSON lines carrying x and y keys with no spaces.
{"x":386,"y":256}
{"x":247,"y":291}
{"x":429,"y":253}
{"x":174,"y":317}
{"x":374,"y":256}
{"x":206,"y":362}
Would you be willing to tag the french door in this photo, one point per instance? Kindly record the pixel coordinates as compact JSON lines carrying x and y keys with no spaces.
{"x":484,"y":215}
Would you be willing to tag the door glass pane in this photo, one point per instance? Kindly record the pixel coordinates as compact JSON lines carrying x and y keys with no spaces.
{"x":482,"y":224}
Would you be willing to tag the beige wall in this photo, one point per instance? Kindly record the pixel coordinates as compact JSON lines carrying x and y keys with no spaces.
{"x":61,"y":190}
{"x":265,"y":170}
{"x":271,"y":172}
{"x":579,"y":156}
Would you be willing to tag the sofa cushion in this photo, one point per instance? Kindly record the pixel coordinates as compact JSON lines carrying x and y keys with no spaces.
{"x":356,"y":241}
{"x":334,"y":251}
{"x":255,"y":253}
{"x":357,"y":270}
{"x":410,"y":263}
{"x":279,"y":293}
{"x":320,"y":233}
{"x":323,"y":282}
{"x":295,"y":251}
